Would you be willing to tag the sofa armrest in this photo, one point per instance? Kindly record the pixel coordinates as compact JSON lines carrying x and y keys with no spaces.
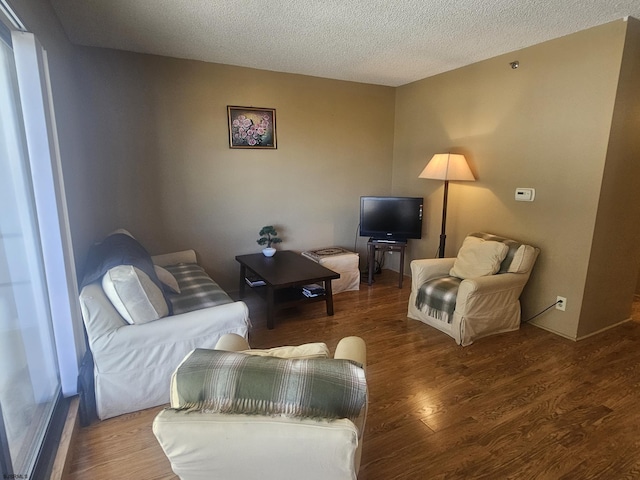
{"x":133,"y":346}
{"x":502,"y":289}
{"x":428,"y":268}
{"x":185,"y":256}
{"x":185,"y":325}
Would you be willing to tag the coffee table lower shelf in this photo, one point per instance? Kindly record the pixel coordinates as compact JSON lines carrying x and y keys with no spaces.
{"x":287,"y":297}
{"x":284,"y":275}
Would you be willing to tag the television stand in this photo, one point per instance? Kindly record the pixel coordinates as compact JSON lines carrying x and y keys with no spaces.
{"x":385,"y":245}
{"x":386,"y":240}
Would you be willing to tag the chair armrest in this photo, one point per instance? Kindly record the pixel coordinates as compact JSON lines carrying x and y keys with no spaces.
{"x":473,"y":293}
{"x":185,"y":256}
{"x":352,"y":348}
{"x":428,"y":268}
{"x":232,"y":342}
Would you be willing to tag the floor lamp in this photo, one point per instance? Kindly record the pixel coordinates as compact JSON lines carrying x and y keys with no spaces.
{"x":446,"y":166}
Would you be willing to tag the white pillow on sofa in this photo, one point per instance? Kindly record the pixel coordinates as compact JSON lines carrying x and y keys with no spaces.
{"x":136,"y":298}
{"x":167,"y":279}
{"x":478,"y":258}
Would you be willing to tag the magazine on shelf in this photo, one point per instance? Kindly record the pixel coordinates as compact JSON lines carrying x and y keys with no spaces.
{"x":312,"y":290}
{"x":254,"y":280}
{"x":312,"y":295}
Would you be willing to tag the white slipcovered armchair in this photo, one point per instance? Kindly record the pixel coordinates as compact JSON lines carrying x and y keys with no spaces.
{"x":202,"y":445}
{"x":475,"y":294}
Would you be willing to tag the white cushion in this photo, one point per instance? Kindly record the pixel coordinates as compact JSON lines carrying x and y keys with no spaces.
{"x":478,"y":258}
{"x":136,"y":298}
{"x":167,"y":279}
{"x":307,"y":350}
{"x":523,"y":260}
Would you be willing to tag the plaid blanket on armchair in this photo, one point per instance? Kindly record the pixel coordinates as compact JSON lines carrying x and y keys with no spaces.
{"x":229,"y":382}
{"x":437,"y":297}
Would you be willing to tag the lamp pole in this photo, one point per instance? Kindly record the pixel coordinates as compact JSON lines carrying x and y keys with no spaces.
{"x":443,"y":236}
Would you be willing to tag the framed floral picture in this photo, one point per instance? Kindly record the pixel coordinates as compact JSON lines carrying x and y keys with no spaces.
{"x":251,"y":127}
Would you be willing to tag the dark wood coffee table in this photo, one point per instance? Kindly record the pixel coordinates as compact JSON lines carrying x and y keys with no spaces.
{"x":281,"y":273}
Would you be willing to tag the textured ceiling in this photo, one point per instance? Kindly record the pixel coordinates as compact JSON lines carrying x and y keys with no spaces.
{"x":387,"y":42}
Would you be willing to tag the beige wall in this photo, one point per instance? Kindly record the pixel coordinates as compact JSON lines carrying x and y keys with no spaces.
{"x":77,"y":162}
{"x":545,"y":125}
{"x":160,"y":124}
{"x":144,"y":146}
{"x":615,"y":252}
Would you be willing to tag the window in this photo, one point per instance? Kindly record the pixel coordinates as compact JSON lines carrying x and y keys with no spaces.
{"x":29,"y":379}
{"x":37,"y":348}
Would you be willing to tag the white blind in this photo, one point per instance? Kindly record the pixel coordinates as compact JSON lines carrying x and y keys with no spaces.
{"x":29,"y":377}
{"x":48,"y":188}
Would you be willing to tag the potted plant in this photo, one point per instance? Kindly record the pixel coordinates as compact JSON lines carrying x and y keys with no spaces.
{"x":268,"y":235}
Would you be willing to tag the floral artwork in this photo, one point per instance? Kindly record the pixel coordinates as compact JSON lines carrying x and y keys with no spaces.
{"x":251,"y":127}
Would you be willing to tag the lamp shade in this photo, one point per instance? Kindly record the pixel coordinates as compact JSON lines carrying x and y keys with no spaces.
{"x":448,"y":166}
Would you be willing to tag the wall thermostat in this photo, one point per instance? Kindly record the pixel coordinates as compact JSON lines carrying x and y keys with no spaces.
{"x":525,"y":194}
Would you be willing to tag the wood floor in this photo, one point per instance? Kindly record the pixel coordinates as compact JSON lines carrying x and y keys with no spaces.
{"x":522,"y":405}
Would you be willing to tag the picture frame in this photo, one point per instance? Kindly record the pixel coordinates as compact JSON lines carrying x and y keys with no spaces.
{"x":252,"y":127}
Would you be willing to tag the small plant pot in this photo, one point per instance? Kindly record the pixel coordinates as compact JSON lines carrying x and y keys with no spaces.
{"x":269,"y":252}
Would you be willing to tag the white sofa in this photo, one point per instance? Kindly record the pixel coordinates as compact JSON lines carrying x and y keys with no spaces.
{"x":204,"y":446}
{"x":133,"y":363}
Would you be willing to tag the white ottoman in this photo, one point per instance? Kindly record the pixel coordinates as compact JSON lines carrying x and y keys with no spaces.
{"x":339,"y":260}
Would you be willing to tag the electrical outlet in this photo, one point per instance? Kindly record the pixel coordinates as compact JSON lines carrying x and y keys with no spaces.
{"x":562,"y":303}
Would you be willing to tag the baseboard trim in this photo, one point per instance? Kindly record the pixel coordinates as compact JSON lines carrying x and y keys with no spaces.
{"x":551,"y":330}
{"x":609,"y":327}
{"x":577,"y":339}
{"x":64,"y":455}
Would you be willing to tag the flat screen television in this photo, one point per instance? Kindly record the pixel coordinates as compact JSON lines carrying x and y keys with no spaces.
{"x":391,"y":218}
